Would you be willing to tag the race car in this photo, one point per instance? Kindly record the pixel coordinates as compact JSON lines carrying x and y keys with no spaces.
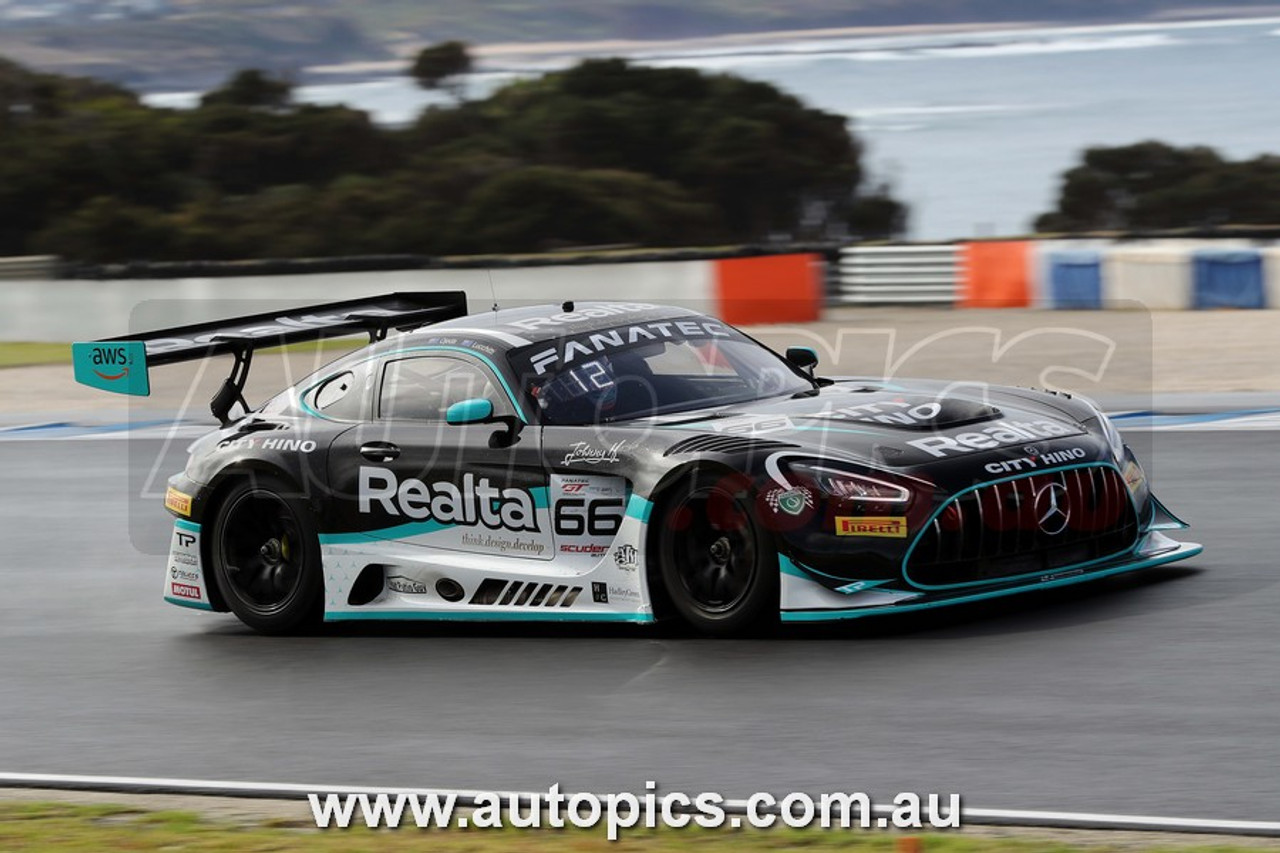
{"x":620,"y":462}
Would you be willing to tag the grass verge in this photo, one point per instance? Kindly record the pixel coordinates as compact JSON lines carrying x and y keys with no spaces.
{"x":89,"y":829}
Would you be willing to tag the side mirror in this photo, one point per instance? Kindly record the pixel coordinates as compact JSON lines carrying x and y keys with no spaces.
{"x":804,"y":358}
{"x":473,"y":411}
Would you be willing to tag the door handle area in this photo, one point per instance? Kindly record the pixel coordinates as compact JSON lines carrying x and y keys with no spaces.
{"x":379,"y":451}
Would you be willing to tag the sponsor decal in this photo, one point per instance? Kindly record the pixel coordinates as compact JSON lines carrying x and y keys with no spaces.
{"x":185,"y":540}
{"x":590,"y":345}
{"x":265,"y":329}
{"x":472,"y":502}
{"x":997,"y":435}
{"x":883,"y":527}
{"x":592,"y":550}
{"x":185,"y":559}
{"x":114,"y":360}
{"x":599,"y":592}
{"x":1035,"y":460}
{"x":185,"y":590}
{"x":624,"y":593}
{"x":178,"y":574}
{"x":626,"y":557}
{"x":791,"y":501}
{"x":178,"y":502}
{"x":503,"y":544}
{"x":893,"y":412}
{"x":570,"y":317}
{"x":581,"y":451}
{"x":295,"y":445}
{"x":754,"y":425}
{"x":406,"y":586}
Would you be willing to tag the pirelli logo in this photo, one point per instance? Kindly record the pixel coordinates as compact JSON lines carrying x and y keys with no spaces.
{"x":176,"y":501}
{"x":885,"y":527}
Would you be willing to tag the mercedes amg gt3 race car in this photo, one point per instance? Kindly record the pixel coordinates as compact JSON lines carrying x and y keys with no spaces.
{"x":617,"y":461}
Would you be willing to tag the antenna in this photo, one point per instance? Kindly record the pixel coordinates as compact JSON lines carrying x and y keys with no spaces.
{"x":493,"y":290}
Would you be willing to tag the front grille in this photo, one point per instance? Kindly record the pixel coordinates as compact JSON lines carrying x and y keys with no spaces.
{"x":1034,"y":524}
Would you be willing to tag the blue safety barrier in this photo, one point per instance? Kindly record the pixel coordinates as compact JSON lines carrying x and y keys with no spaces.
{"x":1075,"y":279}
{"x":1228,"y":278}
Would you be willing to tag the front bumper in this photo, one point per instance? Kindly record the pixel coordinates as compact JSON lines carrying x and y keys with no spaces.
{"x":805,"y":600}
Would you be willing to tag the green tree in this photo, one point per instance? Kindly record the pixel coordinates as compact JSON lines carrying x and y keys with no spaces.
{"x":1152,"y":185}
{"x":251,"y":88}
{"x":441,"y":65}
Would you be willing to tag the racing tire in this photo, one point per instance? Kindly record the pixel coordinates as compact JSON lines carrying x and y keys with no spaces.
{"x":719,"y":570}
{"x":266,"y":556}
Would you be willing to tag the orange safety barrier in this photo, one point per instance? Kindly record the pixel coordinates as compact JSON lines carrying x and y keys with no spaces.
{"x":770,"y":289}
{"x":996,"y":274}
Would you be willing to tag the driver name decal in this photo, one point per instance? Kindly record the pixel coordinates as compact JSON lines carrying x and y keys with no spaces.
{"x":473,"y":502}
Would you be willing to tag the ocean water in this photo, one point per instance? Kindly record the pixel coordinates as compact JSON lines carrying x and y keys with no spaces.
{"x":973,"y":131}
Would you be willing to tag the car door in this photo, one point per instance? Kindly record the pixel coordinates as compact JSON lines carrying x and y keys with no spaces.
{"x":410,"y":476}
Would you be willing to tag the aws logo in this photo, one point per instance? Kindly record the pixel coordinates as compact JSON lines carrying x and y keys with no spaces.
{"x":117,"y":366}
{"x":114,"y":360}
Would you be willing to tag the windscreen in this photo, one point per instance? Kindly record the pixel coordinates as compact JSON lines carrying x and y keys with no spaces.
{"x":648,"y":369}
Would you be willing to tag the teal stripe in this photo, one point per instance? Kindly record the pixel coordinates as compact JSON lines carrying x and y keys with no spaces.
{"x":480,"y":616}
{"x":194,"y":605}
{"x":415,"y":528}
{"x":789,"y":568}
{"x":511,"y":395}
{"x":832,"y":615}
{"x":190,"y":526}
{"x":638,"y":507}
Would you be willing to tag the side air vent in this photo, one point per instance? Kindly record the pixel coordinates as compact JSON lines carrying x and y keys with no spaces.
{"x":726,"y":444}
{"x":368,"y":585}
{"x":522,"y":594}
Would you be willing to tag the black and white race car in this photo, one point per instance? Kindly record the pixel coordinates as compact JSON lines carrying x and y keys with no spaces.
{"x":620,"y":462}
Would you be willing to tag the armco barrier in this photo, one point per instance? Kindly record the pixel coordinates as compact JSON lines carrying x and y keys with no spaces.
{"x":1158,"y":277}
{"x":996,"y":274}
{"x":26,"y":267}
{"x":770,"y":289}
{"x":786,"y":288}
{"x":1228,"y":279}
{"x":1074,"y":280}
{"x":907,"y":274}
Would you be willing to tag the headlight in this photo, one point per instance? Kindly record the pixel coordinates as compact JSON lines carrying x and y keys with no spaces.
{"x":846,"y":485}
{"x":1113,"y":437}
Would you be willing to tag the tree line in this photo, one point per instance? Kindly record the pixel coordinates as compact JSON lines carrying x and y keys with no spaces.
{"x":602,"y":153}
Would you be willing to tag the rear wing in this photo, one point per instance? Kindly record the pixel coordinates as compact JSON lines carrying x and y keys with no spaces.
{"x":122,"y":364}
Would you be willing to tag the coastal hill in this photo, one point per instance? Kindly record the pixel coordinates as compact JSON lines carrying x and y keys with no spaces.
{"x":152,"y":44}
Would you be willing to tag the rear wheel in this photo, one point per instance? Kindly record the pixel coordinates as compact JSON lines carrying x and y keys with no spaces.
{"x":717,"y":567}
{"x":266,"y":557}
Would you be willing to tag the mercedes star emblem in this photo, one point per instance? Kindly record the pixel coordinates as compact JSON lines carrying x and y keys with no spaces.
{"x":1052,"y":509}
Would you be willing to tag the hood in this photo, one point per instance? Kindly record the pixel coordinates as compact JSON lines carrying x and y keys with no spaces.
{"x":898,"y":424}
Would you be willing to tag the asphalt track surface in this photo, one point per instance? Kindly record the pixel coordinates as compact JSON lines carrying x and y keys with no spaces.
{"x":1155,"y":694}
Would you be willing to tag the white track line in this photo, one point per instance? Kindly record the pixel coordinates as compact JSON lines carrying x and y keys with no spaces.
{"x":270,"y":790}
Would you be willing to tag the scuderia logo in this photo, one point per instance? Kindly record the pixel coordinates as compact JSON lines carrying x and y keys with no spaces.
{"x":472,"y":502}
{"x":998,"y":434}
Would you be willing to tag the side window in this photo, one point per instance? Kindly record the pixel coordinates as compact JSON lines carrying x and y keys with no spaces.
{"x":423,"y":388}
{"x":341,"y":396}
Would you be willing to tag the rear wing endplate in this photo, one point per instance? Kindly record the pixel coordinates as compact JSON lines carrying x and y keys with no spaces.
{"x":122,"y":364}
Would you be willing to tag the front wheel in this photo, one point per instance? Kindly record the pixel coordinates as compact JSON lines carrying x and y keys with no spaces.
{"x":266,"y":556}
{"x":717,"y":567}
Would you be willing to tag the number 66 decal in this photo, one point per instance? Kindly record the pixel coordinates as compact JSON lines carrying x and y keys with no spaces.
{"x":599,"y":517}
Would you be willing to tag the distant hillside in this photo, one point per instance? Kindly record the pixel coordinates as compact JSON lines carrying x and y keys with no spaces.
{"x":195,"y":43}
